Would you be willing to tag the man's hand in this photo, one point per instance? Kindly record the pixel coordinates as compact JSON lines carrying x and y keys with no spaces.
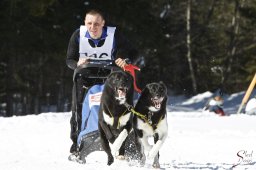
{"x":82,"y":61}
{"x":120,"y":62}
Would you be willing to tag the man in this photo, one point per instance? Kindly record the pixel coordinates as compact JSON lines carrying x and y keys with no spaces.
{"x":94,"y":41}
{"x":215,"y":104}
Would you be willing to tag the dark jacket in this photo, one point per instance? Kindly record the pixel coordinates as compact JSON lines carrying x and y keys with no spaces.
{"x":122,"y":48}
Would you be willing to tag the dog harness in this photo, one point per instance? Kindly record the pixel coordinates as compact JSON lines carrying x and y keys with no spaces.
{"x":143,"y":117}
{"x":149,"y":120}
{"x":116,"y":123}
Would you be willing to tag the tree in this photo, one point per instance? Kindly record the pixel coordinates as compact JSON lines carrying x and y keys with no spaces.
{"x":192,"y":74}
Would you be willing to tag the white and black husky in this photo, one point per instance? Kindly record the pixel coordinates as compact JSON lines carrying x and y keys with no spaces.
{"x":150,"y":120}
{"x":114,"y":118}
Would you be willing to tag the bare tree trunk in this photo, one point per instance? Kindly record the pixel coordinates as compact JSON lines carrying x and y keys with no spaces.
{"x":60,"y":102}
{"x":9,"y":101}
{"x":39,"y":86}
{"x":233,"y":41}
{"x":210,"y":12}
{"x":10,"y":82}
{"x":189,"y":58}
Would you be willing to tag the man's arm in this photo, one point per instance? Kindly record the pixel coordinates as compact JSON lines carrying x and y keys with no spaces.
{"x":73,"y":51}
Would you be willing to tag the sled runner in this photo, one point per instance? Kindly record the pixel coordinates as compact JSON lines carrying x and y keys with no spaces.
{"x":96,"y":73}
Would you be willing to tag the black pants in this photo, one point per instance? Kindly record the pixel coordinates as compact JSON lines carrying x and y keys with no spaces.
{"x":78,"y":92}
{"x":80,"y":88}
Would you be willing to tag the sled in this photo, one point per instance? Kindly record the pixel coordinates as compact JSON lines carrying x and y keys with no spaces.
{"x":96,"y":73}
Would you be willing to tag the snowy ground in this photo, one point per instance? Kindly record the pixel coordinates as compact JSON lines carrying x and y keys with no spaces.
{"x":196,"y":140}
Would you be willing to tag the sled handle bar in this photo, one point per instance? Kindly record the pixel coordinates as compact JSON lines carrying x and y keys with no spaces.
{"x":109,"y":65}
{"x":104,"y":66}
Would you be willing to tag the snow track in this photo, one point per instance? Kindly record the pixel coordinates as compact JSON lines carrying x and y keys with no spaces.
{"x":195,"y":140}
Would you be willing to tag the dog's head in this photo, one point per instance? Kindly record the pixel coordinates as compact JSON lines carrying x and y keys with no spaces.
{"x":122,"y":85}
{"x":157,"y":94}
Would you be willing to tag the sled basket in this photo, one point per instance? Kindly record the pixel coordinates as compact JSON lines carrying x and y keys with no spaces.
{"x":88,"y":138}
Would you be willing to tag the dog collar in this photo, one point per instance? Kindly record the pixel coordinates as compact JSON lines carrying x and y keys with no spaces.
{"x":148,"y":119}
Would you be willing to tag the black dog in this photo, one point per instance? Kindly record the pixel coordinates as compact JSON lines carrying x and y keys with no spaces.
{"x":151,"y":121}
{"x":114,"y":118}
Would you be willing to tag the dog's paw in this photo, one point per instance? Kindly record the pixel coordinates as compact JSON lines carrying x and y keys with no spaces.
{"x":156,"y":165}
{"x":143,"y":160}
{"x":120,"y":157}
{"x":110,"y":160}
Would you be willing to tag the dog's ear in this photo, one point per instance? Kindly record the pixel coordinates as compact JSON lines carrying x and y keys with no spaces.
{"x":162,"y":84}
{"x":146,"y":90}
{"x":110,"y":79}
{"x":113,"y":72}
{"x":147,"y":87}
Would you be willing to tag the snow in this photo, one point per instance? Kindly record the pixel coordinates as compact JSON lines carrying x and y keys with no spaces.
{"x":196,"y":140}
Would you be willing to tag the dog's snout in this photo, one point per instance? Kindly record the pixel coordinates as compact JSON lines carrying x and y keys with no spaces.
{"x":122,"y":88}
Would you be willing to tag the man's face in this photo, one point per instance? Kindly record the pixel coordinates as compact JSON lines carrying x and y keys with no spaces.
{"x":94,"y":24}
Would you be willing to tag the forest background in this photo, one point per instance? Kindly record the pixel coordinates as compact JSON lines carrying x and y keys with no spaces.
{"x":192,"y":45}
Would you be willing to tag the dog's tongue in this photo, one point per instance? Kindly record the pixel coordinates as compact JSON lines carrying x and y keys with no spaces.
{"x":157,"y":104}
